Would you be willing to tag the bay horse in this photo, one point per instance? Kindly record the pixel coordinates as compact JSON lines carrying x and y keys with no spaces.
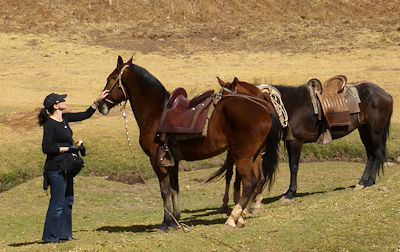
{"x":238,"y":124}
{"x":376,"y":109}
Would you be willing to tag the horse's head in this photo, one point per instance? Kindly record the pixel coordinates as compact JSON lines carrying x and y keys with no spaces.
{"x":115,"y":85}
{"x":240,"y":87}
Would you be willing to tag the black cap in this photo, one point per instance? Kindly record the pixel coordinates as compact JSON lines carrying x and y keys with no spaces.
{"x":52,"y":99}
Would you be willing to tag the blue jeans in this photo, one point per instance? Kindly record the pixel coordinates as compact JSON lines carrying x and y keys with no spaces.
{"x":58,"y":224}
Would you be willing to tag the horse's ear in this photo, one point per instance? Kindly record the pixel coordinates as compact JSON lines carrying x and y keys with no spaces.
{"x":120,"y":62}
{"x":129,"y":61}
{"x":222,"y":83}
{"x":234,"y":82}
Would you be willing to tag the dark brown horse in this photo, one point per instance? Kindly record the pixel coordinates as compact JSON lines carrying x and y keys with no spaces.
{"x":238,"y":124}
{"x":376,"y":109}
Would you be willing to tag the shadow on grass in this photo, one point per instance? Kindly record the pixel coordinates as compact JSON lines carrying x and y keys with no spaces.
{"x":299,"y":195}
{"x":196,"y":216}
{"x":133,"y":229}
{"x":25,"y":243}
{"x":193,"y":220}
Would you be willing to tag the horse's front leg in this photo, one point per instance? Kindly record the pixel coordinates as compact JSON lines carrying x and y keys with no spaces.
{"x":228,"y":176}
{"x":174,"y":179}
{"x":165,"y":188}
{"x":294,"y":151}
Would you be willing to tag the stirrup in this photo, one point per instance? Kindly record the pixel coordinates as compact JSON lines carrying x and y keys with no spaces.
{"x":165,"y":158}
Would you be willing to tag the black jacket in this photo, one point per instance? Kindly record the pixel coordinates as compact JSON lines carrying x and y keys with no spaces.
{"x":56,"y":135}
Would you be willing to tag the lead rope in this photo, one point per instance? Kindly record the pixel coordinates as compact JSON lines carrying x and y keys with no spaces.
{"x":184,"y":227}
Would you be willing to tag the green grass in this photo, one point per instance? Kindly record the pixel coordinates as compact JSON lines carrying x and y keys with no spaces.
{"x":328,"y":215}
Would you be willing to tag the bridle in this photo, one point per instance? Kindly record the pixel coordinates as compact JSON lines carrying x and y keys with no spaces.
{"x":119,"y":81}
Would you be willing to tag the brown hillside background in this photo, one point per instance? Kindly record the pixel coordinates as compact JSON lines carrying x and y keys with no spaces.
{"x":185,"y":27}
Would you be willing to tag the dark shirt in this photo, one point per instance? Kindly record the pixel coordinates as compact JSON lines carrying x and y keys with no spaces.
{"x":59,"y":134}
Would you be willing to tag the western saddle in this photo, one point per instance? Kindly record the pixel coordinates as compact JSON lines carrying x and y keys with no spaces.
{"x":182,"y":118}
{"x":182,"y":115}
{"x":338,"y":100}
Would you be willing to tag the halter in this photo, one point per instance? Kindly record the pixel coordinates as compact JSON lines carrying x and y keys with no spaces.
{"x":219,"y":95}
{"x":228,"y":90}
{"x":119,"y":81}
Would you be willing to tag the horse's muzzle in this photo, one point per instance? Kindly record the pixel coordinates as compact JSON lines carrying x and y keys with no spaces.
{"x":103,"y":109}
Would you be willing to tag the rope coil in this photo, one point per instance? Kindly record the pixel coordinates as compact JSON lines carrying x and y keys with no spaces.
{"x":277,"y":102}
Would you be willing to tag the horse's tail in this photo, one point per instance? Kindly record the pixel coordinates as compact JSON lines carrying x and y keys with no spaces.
{"x":271,"y":155}
{"x":221,"y":171}
{"x":385,"y":135}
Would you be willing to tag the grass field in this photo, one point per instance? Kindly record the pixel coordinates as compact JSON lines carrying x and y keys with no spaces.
{"x":328,"y":215}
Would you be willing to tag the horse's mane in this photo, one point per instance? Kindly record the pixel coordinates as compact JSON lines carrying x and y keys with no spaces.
{"x":152,"y":81}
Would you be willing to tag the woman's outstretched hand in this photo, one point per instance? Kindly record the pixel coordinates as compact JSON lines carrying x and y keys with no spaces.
{"x":102,"y":95}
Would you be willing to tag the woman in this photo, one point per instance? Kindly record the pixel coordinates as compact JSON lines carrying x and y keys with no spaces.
{"x":57,"y":139}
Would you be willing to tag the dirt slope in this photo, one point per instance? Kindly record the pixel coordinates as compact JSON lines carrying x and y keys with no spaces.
{"x":187,"y":27}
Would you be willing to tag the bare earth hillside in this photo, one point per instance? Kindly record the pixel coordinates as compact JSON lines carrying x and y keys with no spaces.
{"x":186,"y":27}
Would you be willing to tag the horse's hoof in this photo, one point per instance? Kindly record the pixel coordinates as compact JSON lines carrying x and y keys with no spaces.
{"x":241,"y":222}
{"x":359,"y":187}
{"x":245,"y":214}
{"x":230,"y":222}
{"x":286,"y":199}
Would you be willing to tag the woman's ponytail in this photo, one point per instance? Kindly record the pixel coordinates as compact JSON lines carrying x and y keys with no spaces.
{"x":44,"y":114}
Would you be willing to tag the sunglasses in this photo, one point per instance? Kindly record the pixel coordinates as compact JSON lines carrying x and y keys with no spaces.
{"x":60,"y":101}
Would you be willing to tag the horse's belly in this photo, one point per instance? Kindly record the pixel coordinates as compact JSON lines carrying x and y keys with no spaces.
{"x":341,"y":131}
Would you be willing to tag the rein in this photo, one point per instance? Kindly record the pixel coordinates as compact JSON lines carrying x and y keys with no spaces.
{"x":119,"y":81}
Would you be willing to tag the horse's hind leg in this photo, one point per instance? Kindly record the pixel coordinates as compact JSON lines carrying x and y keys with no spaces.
{"x":257,"y":196}
{"x":236,"y":187}
{"x":249,"y":181}
{"x":375,"y":149}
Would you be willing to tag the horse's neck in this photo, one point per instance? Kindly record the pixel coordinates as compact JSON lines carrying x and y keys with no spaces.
{"x":249,"y":90}
{"x":146,"y":107}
